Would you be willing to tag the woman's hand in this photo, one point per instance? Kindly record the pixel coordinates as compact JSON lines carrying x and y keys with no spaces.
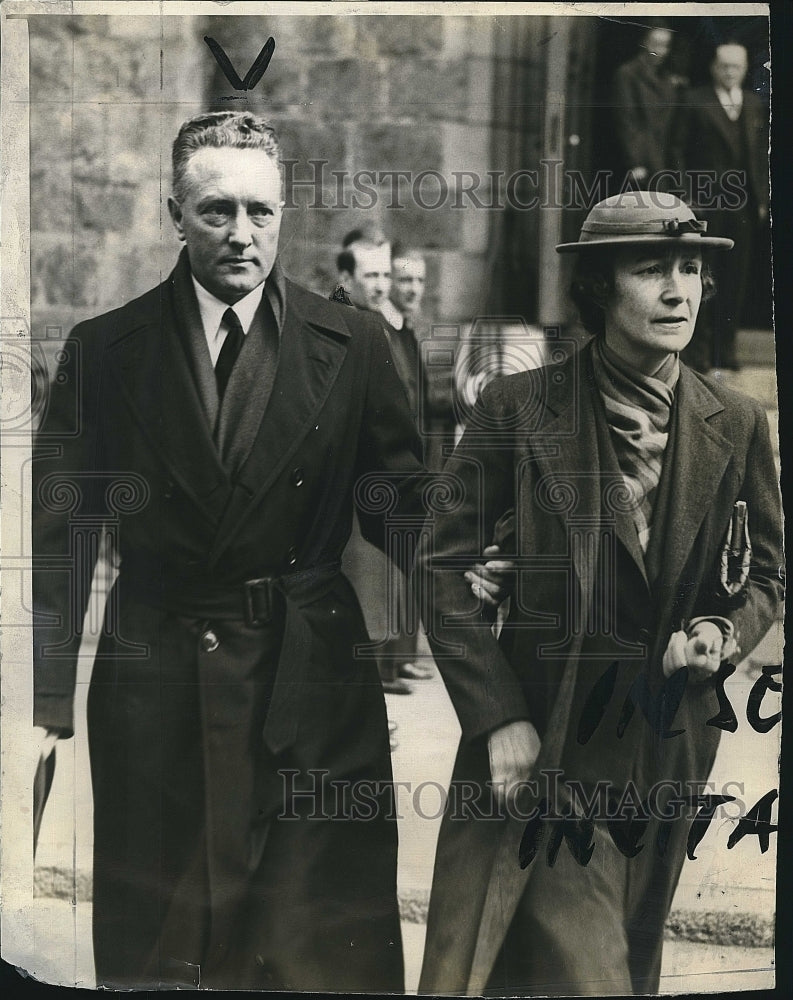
{"x":513,"y":751}
{"x":700,"y":651}
{"x":491,"y":581}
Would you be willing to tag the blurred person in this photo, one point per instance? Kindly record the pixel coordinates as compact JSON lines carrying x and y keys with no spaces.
{"x":723,"y":137}
{"x":640,"y":504}
{"x":645,"y":99}
{"x":365,"y":270}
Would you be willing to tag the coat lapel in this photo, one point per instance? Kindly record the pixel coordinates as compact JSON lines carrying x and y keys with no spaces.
{"x":568,"y":454}
{"x":578,"y":445}
{"x":699,"y":446}
{"x":153,"y":375}
{"x":313,"y":349}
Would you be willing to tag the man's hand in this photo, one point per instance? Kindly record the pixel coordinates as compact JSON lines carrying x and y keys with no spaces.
{"x":513,"y":751}
{"x":491,"y":581}
{"x":701,"y":651}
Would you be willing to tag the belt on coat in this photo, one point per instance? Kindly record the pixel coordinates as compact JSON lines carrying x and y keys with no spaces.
{"x":261,"y":602}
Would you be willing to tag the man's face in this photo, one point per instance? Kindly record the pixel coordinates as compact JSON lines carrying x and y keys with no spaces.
{"x":230,"y":218}
{"x":728,"y":69}
{"x":658,"y":43}
{"x":369,"y":286}
{"x":408,"y":275}
{"x":652,"y":311}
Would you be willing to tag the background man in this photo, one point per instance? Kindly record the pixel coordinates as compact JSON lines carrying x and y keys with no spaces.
{"x":724,"y":133}
{"x":226,"y":416}
{"x":365,"y":272}
{"x":645,"y":103}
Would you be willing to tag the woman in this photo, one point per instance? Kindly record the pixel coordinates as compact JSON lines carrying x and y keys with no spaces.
{"x":612,"y":478}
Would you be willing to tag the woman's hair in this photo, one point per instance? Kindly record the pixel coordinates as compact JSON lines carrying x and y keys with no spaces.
{"x":593,"y":283}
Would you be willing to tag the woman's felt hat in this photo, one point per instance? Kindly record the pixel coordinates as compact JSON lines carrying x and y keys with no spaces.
{"x":641,"y":217}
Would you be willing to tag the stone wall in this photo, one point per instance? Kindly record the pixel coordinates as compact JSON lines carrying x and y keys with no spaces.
{"x":359,"y":93}
{"x":104,"y":108}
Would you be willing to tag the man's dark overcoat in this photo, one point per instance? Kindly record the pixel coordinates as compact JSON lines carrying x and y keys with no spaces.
{"x":645,"y":108}
{"x":208,"y":717}
{"x":538,"y":444}
{"x":727,"y":165}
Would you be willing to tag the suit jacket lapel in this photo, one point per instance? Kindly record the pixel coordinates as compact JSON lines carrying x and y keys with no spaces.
{"x":701,"y":458}
{"x":312,"y":351}
{"x":153,"y":375}
{"x":721,"y":120}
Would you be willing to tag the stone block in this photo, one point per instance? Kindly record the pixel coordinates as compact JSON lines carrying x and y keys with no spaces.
{"x":428,"y":88}
{"x":467,"y":148}
{"x":64,"y":273}
{"x":304,"y":140}
{"x":412,"y":148}
{"x":51,"y":76}
{"x":50,"y":133}
{"x":110,"y":69}
{"x":309,"y":33}
{"x":432,"y":229}
{"x":90,"y":141}
{"x":469,"y":36}
{"x":51,"y":208}
{"x":462,"y":287}
{"x":401,"y":35}
{"x":104,"y":205}
{"x":345,"y":88}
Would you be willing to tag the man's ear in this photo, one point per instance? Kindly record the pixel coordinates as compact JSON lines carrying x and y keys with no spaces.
{"x":175,"y":211}
{"x":345,"y":278}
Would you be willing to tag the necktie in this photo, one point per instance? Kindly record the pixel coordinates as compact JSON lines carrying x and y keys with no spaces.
{"x":229,"y":350}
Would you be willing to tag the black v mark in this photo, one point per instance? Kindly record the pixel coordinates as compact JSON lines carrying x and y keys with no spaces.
{"x":254,"y":74}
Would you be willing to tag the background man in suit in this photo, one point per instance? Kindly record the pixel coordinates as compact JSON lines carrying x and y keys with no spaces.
{"x":645,"y":105}
{"x":724,"y":139}
{"x":365,"y":272}
{"x":226,"y":417}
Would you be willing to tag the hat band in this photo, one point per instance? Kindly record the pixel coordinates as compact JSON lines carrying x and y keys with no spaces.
{"x":667,"y":227}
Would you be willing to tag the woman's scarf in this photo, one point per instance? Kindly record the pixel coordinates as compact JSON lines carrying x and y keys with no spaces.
{"x":638,"y":408}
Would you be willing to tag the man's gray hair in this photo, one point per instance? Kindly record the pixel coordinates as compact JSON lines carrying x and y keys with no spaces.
{"x":218,"y":130}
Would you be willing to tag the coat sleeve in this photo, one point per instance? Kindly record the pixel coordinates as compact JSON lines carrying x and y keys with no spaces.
{"x":66,"y":527}
{"x":483,"y":687}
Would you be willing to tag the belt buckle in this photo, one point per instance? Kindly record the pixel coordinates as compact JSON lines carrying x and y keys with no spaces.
{"x":258,"y":600}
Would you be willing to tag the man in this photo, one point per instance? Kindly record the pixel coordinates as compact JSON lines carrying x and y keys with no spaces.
{"x":645,"y":103}
{"x":640,"y":503}
{"x":226,"y":417}
{"x":408,"y":281}
{"x":723,"y":140}
{"x":364,"y":267}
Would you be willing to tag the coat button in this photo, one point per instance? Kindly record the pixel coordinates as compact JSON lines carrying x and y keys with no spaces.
{"x":291,"y":555}
{"x":297,"y":477}
{"x":168,"y":490}
{"x":209,"y":641}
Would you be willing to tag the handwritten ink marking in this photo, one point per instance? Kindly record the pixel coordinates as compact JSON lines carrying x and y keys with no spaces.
{"x":254,"y":74}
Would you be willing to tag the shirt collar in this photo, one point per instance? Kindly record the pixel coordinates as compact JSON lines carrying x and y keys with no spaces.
{"x":212,"y":308}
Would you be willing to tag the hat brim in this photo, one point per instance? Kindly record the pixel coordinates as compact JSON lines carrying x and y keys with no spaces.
{"x":692,"y":239}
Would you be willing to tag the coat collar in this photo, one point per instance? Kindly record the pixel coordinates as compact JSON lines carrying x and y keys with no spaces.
{"x":151,"y":369}
{"x":569,"y":450}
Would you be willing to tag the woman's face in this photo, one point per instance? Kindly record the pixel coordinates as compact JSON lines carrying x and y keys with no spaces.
{"x":653,"y":309}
